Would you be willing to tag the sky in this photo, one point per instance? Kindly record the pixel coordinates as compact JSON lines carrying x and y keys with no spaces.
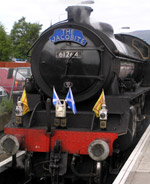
{"x":134,"y":14}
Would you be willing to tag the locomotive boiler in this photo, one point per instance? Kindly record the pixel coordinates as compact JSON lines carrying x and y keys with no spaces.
{"x":89,"y":59}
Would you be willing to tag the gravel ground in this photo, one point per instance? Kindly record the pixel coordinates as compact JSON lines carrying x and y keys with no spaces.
{"x":4,"y":119}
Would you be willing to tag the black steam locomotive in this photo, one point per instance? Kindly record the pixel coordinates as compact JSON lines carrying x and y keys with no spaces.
{"x":88,"y":59}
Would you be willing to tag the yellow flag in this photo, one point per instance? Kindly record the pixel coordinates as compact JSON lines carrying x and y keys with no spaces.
{"x":25,"y":102}
{"x":99,"y":103}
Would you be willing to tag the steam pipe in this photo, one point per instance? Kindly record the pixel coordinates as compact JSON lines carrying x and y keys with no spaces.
{"x":48,"y":111}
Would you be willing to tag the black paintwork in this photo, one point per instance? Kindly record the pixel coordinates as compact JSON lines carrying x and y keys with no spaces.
{"x":102,"y":60}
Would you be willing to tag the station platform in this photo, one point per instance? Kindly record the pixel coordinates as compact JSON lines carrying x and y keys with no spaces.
{"x":136,"y":170}
{"x":6,"y":161}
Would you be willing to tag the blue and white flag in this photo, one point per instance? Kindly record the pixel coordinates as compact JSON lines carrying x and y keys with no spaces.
{"x":70,"y":101}
{"x":55,"y":97}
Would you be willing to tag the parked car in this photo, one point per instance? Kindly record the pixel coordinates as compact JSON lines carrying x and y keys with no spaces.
{"x":8,"y":77}
{"x":3,"y":93}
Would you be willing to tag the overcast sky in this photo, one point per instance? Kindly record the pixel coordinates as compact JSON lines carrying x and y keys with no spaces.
{"x":119,"y":13}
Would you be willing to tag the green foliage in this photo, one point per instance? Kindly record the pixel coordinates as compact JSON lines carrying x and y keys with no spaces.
{"x":6,"y":105}
{"x":5,"y":45}
{"x":23,"y":35}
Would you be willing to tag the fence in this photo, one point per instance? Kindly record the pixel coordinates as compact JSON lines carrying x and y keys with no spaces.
{"x":13,"y":64}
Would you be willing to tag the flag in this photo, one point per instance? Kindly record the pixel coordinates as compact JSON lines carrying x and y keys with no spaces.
{"x":70,"y":101}
{"x":25,"y":102}
{"x":55,"y":97}
{"x":99,"y":103}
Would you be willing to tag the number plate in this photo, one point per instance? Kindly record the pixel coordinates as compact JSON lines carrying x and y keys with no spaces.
{"x":68,"y":54}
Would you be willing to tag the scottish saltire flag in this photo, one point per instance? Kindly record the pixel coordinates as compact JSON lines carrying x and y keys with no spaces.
{"x":55,"y":97}
{"x":70,"y":101}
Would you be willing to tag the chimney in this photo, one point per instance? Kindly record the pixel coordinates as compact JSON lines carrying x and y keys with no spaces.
{"x":79,"y":14}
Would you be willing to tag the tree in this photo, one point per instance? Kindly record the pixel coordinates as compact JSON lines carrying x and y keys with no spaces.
{"x":23,"y":35}
{"x":5,"y":45}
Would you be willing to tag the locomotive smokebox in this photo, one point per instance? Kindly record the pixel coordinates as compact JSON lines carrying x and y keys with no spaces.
{"x":79,"y":14}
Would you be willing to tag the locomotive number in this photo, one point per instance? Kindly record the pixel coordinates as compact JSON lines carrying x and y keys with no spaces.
{"x":68,"y":54}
